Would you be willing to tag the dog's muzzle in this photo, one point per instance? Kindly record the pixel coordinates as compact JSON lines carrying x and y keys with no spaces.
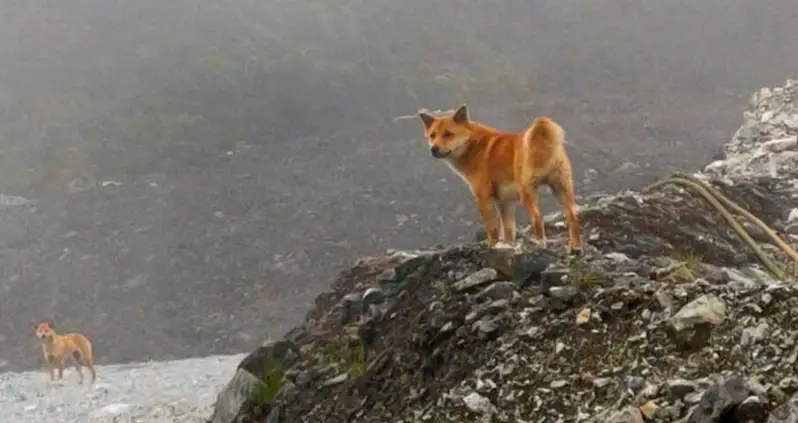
{"x":438,"y":153}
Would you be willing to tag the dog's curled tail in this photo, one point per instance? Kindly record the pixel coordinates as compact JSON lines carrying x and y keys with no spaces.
{"x":544,"y":132}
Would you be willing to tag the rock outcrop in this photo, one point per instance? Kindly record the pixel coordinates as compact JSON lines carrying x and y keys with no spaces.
{"x":670,"y":314}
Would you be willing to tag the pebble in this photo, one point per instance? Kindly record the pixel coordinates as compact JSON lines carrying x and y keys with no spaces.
{"x":477,"y":403}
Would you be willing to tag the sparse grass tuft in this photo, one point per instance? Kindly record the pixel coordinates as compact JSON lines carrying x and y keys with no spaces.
{"x":351,"y":358}
{"x":615,"y":354}
{"x":581,"y":274}
{"x":689,"y":261}
{"x":264,"y":391}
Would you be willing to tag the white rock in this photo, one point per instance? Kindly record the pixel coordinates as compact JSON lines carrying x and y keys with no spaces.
{"x":781,"y":144}
{"x":477,"y":403}
{"x":114,"y":409}
{"x":615,"y":256}
{"x":716,"y":165}
{"x":707,"y":308}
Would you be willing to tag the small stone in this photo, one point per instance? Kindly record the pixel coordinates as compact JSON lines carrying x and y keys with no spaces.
{"x":789,"y":384}
{"x":635,"y":383}
{"x":665,"y":301}
{"x":477,"y":403}
{"x":776,"y":395}
{"x":671,"y":412}
{"x":649,"y":409}
{"x":601,"y":382}
{"x":583,"y":316}
{"x":485,"y":327}
{"x":678,"y":388}
{"x":719,"y":399}
{"x":693,"y":398}
{"x":496,"y":306}
{"x":448,"y":326}
{"x":563,"y":292}
{"x":755,"y":334}
{"x":785,"y":413}
{"x":523,"y":268}
{"x":501,"y":290}
{"x":557,"y":384}
{"x":782,"y":144}
{"x":751,"y":409}
{"x":351,"y":306}
{"x":692,"y":326}
{"x":619,"y":257}
{"x":739,"y":281}
{"x":650,"y":391}
{"x":707,"y":309}
{"x":480,"y":277}
{"x":626,"y":415}
{"x":554,"y":275}
{"x":373,"y":297}
{"x":341,"y":378}
{"x":757,"y":387}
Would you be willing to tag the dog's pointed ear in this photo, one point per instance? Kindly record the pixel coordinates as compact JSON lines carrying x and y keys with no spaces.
{"x":426,"y":118}
{"x":461,"y":115}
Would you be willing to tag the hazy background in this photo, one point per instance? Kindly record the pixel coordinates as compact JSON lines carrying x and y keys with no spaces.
{"x":253,"y":151}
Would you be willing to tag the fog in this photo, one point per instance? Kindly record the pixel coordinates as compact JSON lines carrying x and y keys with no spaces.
{"x":200,"y":170}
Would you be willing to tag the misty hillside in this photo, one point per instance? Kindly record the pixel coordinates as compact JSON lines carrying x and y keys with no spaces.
{"x":118,"y":89}
{"x":257,"y":149}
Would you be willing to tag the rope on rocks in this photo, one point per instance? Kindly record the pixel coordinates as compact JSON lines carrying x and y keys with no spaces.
{"x":715,"y":198}
{"x":748,"y":215}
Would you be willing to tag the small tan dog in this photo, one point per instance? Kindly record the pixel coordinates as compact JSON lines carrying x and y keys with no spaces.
{"x":504,"y":168}
{"x":57,"y":348}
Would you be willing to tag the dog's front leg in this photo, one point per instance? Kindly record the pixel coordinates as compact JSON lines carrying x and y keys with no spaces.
{"x":51,"y":362}
{"x":60,"y":362}
{"x":486,"y":211}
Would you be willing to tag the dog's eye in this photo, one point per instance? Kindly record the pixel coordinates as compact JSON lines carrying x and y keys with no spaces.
{"x":432,"y":135}
{"x":447,"y":134}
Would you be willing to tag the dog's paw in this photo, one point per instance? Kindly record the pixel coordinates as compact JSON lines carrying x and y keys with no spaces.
{"x":539,"y":243}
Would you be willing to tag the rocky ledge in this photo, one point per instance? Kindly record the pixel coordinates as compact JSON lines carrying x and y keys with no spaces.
{"x":681,"y":308}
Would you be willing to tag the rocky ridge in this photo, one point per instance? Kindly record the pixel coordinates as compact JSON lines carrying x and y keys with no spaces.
{"x":668,"y":315}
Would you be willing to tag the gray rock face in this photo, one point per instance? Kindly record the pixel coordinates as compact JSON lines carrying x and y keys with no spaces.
{"x":252,"y":376}
{"x":668,"y":315}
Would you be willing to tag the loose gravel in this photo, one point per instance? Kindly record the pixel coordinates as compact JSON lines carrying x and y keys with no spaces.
{"x":180,"y":391}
